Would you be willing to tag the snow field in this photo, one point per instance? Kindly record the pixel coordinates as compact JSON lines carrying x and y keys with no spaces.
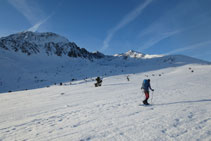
{"x":181,"y":109}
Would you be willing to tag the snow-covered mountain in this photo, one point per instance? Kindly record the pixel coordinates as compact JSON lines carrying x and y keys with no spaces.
{"x":31,"y":43}
{"x":31,"y":60}
{"x":63,"y":104}
{"x":134,"y":54}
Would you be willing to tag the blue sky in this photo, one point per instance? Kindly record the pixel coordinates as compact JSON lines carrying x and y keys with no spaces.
{"x":116,"y":26}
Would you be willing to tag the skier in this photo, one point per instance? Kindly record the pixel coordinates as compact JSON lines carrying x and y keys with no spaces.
{"x":146,"y":86}
{"x":99,"y":82}
{"x":128,"y":78}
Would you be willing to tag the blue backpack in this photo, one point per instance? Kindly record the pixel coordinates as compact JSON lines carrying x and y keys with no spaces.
{"x":145,"y":84}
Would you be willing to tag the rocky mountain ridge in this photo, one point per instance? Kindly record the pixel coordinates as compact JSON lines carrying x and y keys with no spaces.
{"x":31,"y":43}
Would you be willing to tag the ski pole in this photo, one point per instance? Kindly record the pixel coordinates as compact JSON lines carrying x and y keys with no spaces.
{"x":142,"y":91}
{"x":152,"y":96}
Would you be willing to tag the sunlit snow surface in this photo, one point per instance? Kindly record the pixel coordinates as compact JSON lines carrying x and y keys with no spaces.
{"x":181,"y":108}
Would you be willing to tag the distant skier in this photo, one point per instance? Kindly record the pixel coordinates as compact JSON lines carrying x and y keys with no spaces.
{"x":99,"y":82}
{"x":128,"y":79}
{"x":146,"y":86}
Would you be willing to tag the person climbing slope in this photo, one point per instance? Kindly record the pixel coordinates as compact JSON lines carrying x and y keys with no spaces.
{"x":146,"y":86}
{"x":99,"y":82}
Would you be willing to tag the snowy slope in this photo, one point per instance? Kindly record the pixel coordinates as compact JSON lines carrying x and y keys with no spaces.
{"x":21,"y":72}
{"x":31,"y":60}
{"x":33,"y":105}
{"x":181,"y":109}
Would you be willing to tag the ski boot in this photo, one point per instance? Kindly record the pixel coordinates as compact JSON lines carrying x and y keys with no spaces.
{"x":145,"y":102}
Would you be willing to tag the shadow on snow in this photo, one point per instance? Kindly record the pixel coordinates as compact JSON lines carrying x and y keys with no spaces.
{"x":184,"y":102}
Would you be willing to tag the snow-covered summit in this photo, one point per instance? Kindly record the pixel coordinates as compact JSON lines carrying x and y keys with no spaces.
{"x":135,"y":54}
{"x":39,"y":38}
{"x":47,"y":43}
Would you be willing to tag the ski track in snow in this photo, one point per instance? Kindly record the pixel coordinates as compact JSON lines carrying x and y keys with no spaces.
{"x":180,"y":110}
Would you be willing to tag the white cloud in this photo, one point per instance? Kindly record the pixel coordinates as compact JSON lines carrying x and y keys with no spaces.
{"x":37,"y":25}
{"x":191,"y":47}
{"x":126,"y":20}
{"x":156,"y":39}
{"x":29,"y":9}
{"x":169,"y":24}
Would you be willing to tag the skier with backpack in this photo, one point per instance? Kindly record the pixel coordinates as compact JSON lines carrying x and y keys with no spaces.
{"x":99,"y":82}
{"x":146,"y":86}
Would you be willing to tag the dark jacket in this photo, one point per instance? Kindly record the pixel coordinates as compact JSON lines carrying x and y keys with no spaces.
{"x":146,"y":85}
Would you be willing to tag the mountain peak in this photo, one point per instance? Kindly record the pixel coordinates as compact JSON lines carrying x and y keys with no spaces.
{"x":136,"y":54}
{"x":48,"y":43}
{"x":38,"y":38}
